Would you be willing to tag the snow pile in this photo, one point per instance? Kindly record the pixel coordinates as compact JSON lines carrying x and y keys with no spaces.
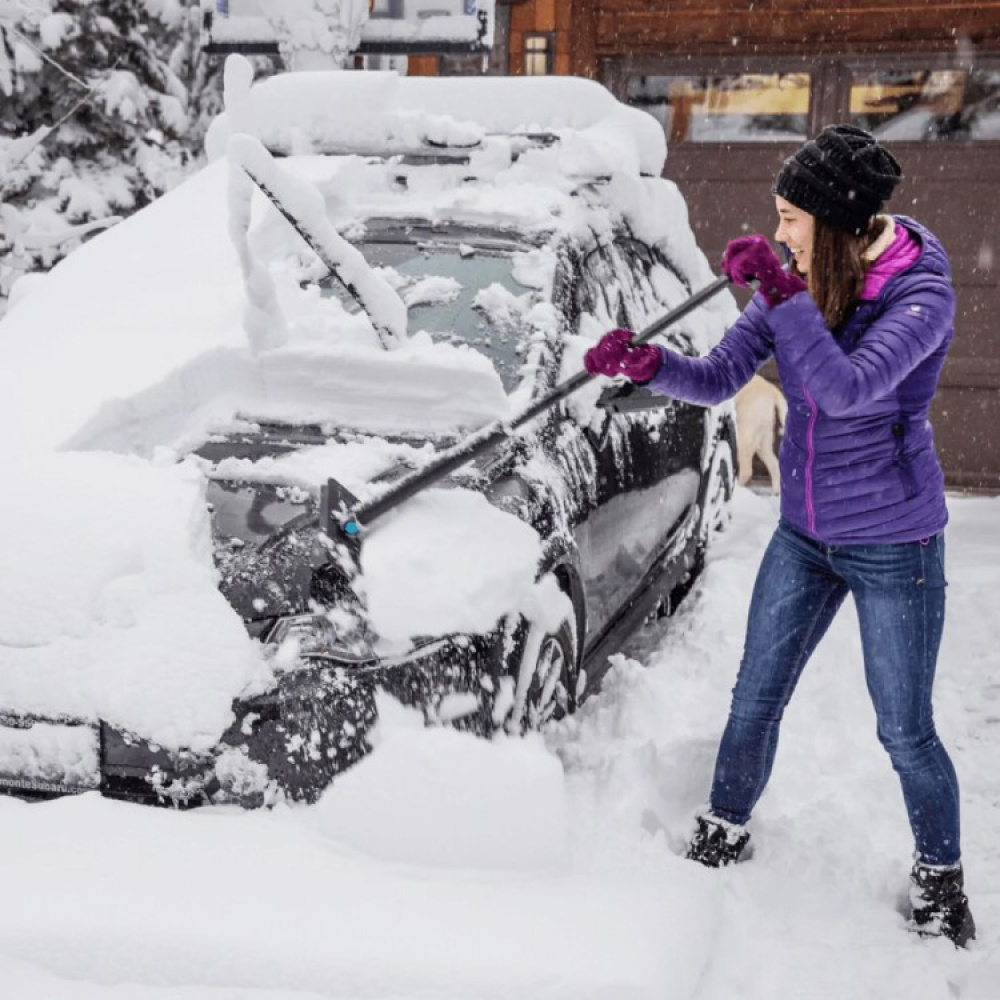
{"x":294,"y":914}
{"x":447,"y":561}
{"x":110,"y":605}
{"x":120,"y":314}
{"x":440,"y":798}
{"x":306,"y":902}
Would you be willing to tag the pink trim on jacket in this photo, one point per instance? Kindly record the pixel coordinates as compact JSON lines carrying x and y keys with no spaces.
{"x":898,"y":256}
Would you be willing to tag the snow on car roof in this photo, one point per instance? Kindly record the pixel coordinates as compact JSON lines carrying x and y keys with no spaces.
{"x":361,"y":112}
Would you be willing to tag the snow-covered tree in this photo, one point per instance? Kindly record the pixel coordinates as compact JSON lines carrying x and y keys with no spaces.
{"x":319,"y":34}
{"x":96,"y":116}
{"x":310,"y":34}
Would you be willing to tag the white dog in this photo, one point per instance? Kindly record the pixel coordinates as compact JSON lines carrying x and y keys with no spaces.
{"x":760,"y":409}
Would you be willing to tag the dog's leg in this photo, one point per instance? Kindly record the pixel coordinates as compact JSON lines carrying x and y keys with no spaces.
{"x":767,"y":456}
{"x":745,"y":451}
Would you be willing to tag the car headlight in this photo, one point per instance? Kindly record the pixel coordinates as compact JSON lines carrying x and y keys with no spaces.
{"x":316,"y":636}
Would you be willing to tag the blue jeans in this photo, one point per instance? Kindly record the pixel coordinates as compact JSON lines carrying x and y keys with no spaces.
{"x":898,"y":590}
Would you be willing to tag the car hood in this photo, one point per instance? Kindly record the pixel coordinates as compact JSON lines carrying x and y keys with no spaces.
{"x":423,"y":389}
{"x":411,"y":391}
{"x":276,"y":556}
{"x":263,"y":492}
{"x":263,"y":489}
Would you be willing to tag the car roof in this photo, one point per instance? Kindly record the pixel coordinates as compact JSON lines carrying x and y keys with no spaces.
{"x":384,"y":113}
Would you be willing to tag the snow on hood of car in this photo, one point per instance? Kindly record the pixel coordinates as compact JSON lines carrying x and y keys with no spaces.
{"x":111,"y":609}
{"x":423,"y":389}
{"x":110,"y":606}
{"x":447,"y":561}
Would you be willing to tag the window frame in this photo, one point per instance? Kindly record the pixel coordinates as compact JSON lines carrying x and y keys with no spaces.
{"x":685,"y":113}
{"x":831,"y":76}
{"x":616,"y":73}
{"x":855,"y":65}
{"x":547,"y":53}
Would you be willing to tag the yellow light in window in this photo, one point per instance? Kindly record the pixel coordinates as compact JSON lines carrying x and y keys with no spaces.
{"x":537,"y":55}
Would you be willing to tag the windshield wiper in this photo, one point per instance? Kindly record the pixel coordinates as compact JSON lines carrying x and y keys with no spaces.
{"x":373,"y":294}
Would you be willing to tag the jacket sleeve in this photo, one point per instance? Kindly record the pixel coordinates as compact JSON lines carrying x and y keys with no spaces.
{"x":913,"y":326}
{"x":721,"y":373}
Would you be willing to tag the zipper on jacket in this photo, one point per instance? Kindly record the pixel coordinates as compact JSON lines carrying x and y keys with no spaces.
{"x":810,"y":457}
{"x":899,"y":460}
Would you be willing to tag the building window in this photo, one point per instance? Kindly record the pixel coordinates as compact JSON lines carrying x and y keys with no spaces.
{"x":928,"y":105}
{"x":538,"y":54}
{"x":742,"y":107}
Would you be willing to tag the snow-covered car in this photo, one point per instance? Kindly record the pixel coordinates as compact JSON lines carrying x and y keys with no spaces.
{"x":418,"y":264}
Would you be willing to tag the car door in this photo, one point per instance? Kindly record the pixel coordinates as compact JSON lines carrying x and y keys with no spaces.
{"x":666,"y":441}
{"x":646,"y":462}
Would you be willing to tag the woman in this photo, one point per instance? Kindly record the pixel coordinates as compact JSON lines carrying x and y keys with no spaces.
{"x":859,"y":326}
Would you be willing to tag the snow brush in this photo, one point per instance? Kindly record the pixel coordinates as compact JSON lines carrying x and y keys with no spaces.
{"x":340,"y":508}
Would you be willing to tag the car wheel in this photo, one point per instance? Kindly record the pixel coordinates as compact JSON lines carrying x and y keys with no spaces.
{"x":546,"y":677}
{"x":716,"y":494}
{"x":550,"y":695}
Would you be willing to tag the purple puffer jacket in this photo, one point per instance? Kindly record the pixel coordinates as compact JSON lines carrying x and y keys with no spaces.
{"x":858,"y":464}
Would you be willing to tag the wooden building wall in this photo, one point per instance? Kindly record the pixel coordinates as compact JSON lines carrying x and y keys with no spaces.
{"x":542,"y":16}
{"x":951,"y":186}
{"x":664,"y":27}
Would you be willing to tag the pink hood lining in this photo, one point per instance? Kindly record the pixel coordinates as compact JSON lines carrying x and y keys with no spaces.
{"x":902,"y":251}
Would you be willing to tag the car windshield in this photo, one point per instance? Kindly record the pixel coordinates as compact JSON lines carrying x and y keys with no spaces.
{"x":456,"y":292}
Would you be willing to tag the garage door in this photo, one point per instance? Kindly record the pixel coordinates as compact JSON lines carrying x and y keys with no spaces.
{"x":731,"y":122}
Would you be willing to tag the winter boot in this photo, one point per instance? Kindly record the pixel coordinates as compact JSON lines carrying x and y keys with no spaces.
{"x":717,"y":843}
{"x":940,"y":907}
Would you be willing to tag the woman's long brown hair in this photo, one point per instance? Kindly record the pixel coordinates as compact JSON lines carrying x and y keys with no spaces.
{"x":837,"y":269}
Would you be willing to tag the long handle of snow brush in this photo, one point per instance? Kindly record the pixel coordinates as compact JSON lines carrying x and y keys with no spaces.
{"x":564,"y":389}
{"x":351,"y":517}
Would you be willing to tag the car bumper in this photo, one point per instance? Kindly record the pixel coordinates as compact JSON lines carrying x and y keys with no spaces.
{"x":289,"y":743}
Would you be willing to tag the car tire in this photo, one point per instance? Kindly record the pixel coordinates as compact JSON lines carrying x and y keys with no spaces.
{"x":717,"y":491}
{"x":546,"y":675}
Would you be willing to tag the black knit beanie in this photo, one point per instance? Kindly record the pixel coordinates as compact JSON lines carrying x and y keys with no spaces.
{"x":842,"y":177}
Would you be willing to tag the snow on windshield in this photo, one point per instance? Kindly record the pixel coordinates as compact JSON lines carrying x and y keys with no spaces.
{"x":457,"y":294}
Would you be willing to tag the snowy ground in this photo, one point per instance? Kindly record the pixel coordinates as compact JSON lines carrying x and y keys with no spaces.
{"x":442,"y":867}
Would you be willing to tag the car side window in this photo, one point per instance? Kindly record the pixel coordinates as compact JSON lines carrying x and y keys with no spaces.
{"x":655,"y":288}
{"x":600,"y":291}
{"x":637,"y":266}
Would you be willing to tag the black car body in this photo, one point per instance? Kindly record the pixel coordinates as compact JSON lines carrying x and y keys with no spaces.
{"x":624,"y":492}
{"x":624,"y":533}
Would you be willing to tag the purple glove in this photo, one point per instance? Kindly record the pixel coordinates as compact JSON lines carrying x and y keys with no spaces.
{"x":751,"y":258}
{"x":615,"y":354}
